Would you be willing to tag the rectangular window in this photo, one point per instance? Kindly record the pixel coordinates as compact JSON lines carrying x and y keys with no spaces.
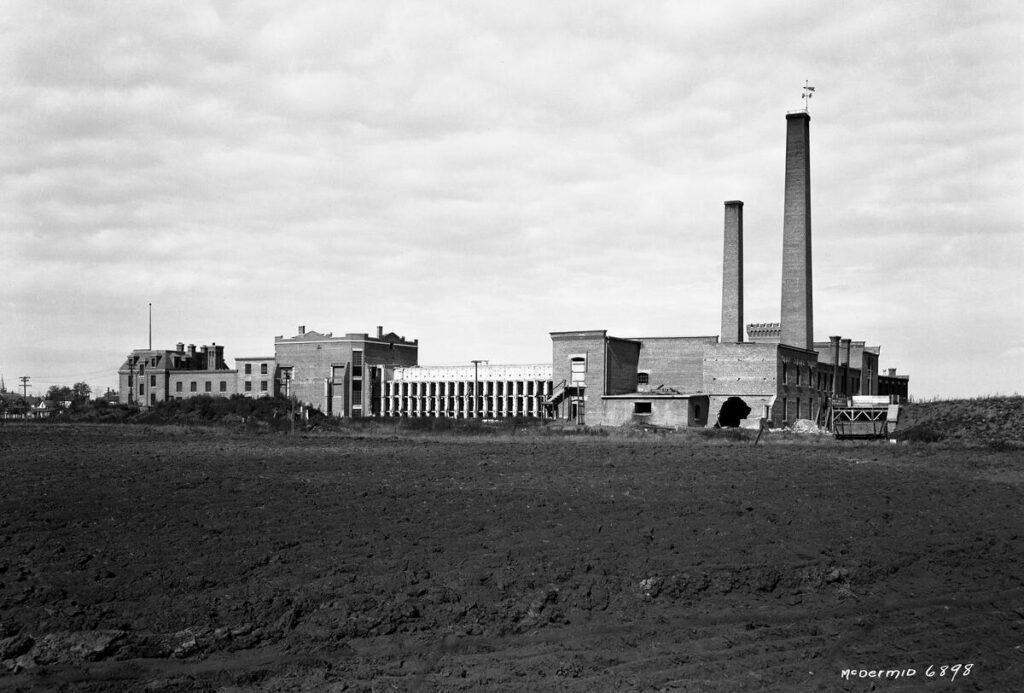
{"x":785,"y":374}
{"x":641,"y":407}
{"x":192,"y":386}
{"x":177,"y":386}
{"x":223,"y":386}
{"x":578,"y":369}
{"x":248,"y":386}
{"x":263,"y":369}
{"x":142,"y":389}
{"x":357,"y":386}
{"x":263,"y":386}
{"x":643,"y":378}
{"x":248,"y":369}
{"x":209,"y":386}
{"x":152,"y":381}
{"x":357,"y":363}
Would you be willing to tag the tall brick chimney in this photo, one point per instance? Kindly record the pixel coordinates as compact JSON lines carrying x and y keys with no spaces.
{"x":732,"y":274}
{"x":797,"y":308}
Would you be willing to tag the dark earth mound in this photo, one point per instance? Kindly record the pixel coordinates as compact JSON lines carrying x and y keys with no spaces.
{"x":989,"y":421}
{"x":175,"y":559}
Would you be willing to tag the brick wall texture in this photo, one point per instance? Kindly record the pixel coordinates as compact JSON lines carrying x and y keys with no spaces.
{"x":797,"y":309}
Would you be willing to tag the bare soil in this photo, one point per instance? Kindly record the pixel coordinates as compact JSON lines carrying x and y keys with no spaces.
{"x":174,"y":559}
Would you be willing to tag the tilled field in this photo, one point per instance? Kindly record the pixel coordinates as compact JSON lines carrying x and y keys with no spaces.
{"x":169,"y":559}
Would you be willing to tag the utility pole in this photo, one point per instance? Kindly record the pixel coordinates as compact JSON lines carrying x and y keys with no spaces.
{"x":151,"y":327}
{"x":288,"y":394}
{"x":24,"y":386}
{"x":476,"y":378}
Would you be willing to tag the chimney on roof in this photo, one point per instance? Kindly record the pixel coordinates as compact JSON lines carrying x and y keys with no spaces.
{"x":834,"y":344}
{"x":892,"y":372}
{"x":846,"y":366}
{"x":380,"y":331}
{"x":302,"y":330}
{"x":180,"y":346}
{"x":732,"y":274}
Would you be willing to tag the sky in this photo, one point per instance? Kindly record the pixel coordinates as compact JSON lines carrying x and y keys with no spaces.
{"x":479,"y":174}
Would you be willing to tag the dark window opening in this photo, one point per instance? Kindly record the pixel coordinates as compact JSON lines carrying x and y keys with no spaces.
{"x":643,"y":378}
{"x":641,"y":407}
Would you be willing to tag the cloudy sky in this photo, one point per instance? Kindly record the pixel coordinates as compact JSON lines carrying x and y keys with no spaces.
{"x":479,"y":174}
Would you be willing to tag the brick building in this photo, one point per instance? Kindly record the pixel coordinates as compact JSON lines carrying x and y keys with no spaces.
{"x":258,"y":376}
{"x":780,"y":372}
{"x":341,"y":376}
{"x":149,"y":376}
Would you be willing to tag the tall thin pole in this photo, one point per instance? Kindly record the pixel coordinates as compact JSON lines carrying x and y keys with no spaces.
{"x":476,"y":378}
{"x":151,"y":327}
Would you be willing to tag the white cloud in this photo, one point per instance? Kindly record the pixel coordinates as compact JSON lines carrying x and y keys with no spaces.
{"x":477,"y":175}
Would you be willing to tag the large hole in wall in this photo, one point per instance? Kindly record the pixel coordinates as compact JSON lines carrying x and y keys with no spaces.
{"x":732,"y":412}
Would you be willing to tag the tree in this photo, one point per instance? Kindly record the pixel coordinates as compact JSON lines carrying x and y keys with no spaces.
{"x":80,"y":392}
{"x":60,"y":393}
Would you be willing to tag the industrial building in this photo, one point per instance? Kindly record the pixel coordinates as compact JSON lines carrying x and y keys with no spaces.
{"x":341,"y":376}
{"x":767,"y":371}
{"x":478,"y":390}
{"x":779,"y":373}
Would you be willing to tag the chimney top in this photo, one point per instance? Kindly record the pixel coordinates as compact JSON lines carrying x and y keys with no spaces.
{"x":302,"y":329}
